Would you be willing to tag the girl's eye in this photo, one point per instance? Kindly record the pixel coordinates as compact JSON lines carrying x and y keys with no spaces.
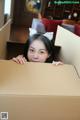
{"x":42,"y":52}
{"x":31,"y":50}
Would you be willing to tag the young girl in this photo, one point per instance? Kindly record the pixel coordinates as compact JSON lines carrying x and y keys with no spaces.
{"x":38,"y":48}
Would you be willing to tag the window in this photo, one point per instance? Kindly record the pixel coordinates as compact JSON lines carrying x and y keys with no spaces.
{"x":7,"y":7}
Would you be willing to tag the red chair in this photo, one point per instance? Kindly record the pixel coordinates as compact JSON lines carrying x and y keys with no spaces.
{"x":77,"y":29}
{"x":51,"y":25}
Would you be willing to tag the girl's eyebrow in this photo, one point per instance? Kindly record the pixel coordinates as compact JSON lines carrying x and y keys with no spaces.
{"x":42,"y":49}
{"x":32,"y":47}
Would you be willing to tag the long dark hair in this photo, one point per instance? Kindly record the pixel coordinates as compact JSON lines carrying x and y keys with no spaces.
{"x":45,"y":41}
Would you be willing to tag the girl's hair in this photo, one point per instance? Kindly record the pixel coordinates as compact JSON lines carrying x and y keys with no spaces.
{"x":45,"y":41}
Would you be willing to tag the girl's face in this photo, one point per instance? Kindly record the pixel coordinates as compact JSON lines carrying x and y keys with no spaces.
{"x":37,"y":52}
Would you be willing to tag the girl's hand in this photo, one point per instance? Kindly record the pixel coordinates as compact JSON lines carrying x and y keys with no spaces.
{"x":57,"y":63}
{"x":20,"y":59}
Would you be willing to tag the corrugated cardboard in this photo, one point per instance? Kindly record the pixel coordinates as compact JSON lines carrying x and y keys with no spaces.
{"x":70,"y":47}
{"x":4,"y":37}
{"x":40,"y":91}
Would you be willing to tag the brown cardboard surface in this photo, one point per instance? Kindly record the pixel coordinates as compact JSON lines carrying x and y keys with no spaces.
{"x":38,"y":79}
{"x":41,"y":107}
{"x":4,"y":37}
{"x":39,"y":91}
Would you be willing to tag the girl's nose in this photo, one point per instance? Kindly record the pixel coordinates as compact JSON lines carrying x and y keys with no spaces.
{"x":36,"y":55}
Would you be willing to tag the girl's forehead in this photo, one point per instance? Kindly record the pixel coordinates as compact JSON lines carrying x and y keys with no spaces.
{"x":37,"y":43}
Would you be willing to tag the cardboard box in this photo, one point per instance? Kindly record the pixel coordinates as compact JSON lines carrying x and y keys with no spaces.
{"x":4,"y":37}
{"x":70,"y":47}
{"x":39,"y":91}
